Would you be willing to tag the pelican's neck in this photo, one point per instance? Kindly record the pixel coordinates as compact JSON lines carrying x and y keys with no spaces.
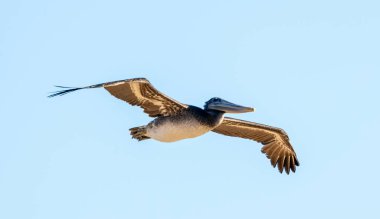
{"x":216,"y":116}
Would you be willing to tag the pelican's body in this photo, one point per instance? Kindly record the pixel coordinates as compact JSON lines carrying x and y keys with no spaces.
{"x":189,"y":123}
{"x":175,"y":121}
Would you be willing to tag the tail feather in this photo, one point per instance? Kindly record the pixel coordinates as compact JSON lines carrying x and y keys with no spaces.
{"x":139,"y":133}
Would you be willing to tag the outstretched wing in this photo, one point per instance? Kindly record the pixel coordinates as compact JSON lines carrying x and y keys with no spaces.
{"x":136,"y":91}
{"x":276,"y":142}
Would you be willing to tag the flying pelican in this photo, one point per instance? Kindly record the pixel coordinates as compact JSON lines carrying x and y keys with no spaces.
{"x":176,"y":121}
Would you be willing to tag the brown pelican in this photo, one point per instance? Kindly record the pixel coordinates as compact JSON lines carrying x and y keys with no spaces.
{"x":175,"y":121}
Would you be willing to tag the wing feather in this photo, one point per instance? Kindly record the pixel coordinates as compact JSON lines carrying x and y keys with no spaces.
{"x":287,"y":166}
{"x":140,"y":92}
{"x":281,"y":161}
{"x":276,"y":142}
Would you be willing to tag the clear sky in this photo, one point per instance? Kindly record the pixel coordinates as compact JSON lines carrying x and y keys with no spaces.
{"x":309,"y":67}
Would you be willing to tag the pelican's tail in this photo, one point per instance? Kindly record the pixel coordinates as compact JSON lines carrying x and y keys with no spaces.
{"x":139,"y":133}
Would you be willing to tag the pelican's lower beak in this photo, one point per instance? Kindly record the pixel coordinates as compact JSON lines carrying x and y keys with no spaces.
{"x":229,"y":107}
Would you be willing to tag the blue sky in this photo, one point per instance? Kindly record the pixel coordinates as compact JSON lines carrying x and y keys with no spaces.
{"x":309,"y":67}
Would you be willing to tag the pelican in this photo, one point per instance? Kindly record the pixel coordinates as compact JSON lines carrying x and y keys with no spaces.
{"x":176,"y":121}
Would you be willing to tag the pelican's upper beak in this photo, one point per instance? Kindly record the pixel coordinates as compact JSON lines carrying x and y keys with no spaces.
{"x":229,"y":107}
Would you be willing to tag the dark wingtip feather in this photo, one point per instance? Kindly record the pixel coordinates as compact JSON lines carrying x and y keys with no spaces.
{"x":293,"y":164}
{"x":280,"y":169}
{"x":293,"y":168}
{"x":287,"y":165}
{"x":64,"y":87}
{"x":63,"y":92}
{"x":296,"y":161}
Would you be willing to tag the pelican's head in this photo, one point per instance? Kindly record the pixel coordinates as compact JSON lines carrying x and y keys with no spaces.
{"x":219,"y":104}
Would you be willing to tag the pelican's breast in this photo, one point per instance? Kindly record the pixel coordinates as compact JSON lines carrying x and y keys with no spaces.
{"x":169,"y":129}
{"x":189,"y":124}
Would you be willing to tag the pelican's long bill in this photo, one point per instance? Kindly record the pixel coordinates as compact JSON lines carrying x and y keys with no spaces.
{"x":228,"y":107}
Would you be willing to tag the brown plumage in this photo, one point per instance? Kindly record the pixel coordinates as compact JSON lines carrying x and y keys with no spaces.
{"x":275,"y":141}
{"x":141,"y":92}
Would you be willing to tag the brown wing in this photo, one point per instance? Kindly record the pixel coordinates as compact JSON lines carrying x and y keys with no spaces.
{"x":275,"y":141}
{"x":137,"y":91}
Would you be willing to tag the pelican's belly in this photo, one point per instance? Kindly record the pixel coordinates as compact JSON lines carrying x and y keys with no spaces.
{"x":169,"y":131}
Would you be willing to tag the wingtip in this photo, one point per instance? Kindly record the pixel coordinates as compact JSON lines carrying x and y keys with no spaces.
{"x":287,"y":170}
{"x":62,"y":92}
{"x":280,"y":169}
{"x":296,"y":161}
{"x":64,"y":87}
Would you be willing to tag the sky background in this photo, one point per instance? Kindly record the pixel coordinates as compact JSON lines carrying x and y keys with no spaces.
{"x":309,"y":67}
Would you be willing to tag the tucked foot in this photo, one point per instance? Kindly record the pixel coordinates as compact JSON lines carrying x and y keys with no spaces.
{"x":139,"y":133}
